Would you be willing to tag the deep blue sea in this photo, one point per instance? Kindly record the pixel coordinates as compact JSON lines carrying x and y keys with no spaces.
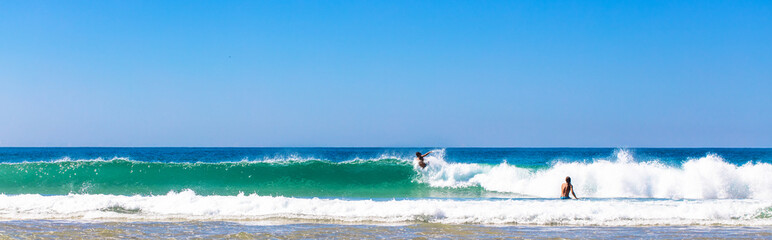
{"x":381,"y":192}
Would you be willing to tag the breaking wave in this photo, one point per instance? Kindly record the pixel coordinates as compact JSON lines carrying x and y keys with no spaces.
{"x":617,"y":176}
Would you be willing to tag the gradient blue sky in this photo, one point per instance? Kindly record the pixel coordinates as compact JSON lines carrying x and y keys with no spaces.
{"x":386,"y":73}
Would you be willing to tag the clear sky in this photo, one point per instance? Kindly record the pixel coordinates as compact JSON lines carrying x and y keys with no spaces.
{"x":386,"y":73}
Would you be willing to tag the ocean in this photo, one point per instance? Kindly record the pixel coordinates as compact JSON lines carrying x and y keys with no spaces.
{"x":382,"y":193}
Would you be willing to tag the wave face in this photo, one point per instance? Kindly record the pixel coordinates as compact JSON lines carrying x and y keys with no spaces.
{"x":387,"y":177}
{"x":187,"y":205}
{"x":382,"y":174}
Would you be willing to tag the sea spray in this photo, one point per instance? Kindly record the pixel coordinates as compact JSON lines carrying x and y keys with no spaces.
{"x":621,"y":176}
{"x":707,"y":177}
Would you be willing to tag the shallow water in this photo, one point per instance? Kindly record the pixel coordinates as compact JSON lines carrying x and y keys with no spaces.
{"x":232,"y":230}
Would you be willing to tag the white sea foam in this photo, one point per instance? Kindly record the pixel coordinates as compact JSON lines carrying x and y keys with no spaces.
{"x":68,"y":159}
{"x":708,"y":177}
{"x":187,"y":205}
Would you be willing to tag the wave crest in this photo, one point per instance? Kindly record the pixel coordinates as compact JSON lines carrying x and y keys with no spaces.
{"x":708,"y":177}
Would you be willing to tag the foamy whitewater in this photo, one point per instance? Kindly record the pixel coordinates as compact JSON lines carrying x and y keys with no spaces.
{"x":708,"y":177}
{"x":189,"y":206}
{"x":617,"y":187}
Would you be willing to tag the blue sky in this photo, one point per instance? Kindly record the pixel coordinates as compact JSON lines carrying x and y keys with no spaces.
{"x":386,"y":73}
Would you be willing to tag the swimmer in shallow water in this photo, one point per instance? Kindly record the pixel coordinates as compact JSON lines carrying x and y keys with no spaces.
{"x":421,"y":158}
{"x":566,"y":188}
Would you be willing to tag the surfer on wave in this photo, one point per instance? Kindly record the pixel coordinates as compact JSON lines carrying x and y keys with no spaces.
{"x":421,"y":158}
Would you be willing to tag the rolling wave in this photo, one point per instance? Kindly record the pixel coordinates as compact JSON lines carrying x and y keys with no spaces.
{"x":618,"y":176}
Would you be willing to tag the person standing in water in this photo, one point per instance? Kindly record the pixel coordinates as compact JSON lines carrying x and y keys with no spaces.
{"x":421,"y":158}
{"x":566,"y":188}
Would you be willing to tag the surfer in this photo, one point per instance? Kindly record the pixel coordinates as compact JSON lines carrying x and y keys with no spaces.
{"x":421,"y":158}
{"x":566,"y":188}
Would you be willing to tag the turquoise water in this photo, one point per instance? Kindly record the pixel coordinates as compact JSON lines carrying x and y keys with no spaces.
{"x":313,"y":172}
{"x":367,"y":192}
